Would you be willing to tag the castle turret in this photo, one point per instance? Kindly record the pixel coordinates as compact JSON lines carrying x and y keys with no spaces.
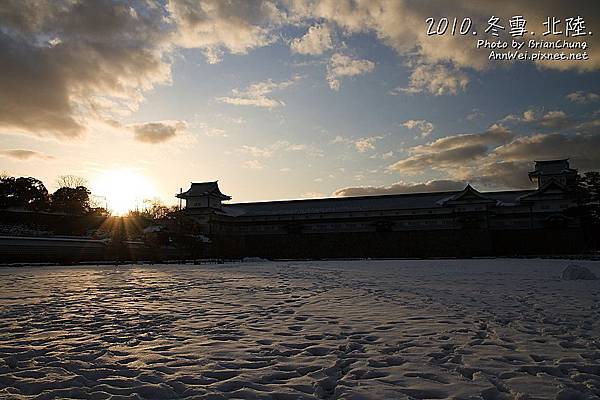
{"x":557,"y":170}
{"x":203,"y":195}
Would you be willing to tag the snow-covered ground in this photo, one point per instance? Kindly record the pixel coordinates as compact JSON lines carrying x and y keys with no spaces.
{"x":456,"y":329}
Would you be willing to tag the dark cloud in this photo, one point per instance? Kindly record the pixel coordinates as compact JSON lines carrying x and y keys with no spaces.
{"x":21,"y":154}
{"x":65,"y":62}
{"x":215,"y":26}
{"x":581,"y":148}
{"x":493,"y":135}
{"x":401,"y":187}
{"x":42,"y":104}
{"x":508,"y":174}
{"x":442,"y":159}
{"x":60,"y":58}
{"x":450,"y":151}
{"x":157,"y":132}
{"x":498,"y":158}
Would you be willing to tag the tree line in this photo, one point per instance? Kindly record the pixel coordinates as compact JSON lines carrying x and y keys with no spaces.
{"x":587,"y":193}
{"x":28,"y":193}
{"x":72,"y":197}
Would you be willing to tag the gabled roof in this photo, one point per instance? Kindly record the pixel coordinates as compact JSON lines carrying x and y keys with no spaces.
{"x":203,"y":189}
{"x":469,"y":195}
{"x":552,"y":184}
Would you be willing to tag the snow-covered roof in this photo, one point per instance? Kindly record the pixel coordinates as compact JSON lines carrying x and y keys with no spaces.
{"x":411,"y":201}
{"x":202,"y":189}
{"x":468,"y":194}
{"x":549,"y":186}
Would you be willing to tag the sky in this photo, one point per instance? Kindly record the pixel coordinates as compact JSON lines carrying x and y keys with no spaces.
{"x":292,"y":99}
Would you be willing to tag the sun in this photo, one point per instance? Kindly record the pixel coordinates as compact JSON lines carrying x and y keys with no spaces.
{"x":124,"y":190}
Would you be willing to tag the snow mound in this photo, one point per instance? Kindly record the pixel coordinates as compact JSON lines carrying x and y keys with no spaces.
{"x":577,"y":272}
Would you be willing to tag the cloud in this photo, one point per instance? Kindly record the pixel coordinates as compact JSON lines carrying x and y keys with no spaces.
{"x":254,"y":151}
{"x":508,"y":164}
{"x":157,"y":132}
{"x":65,"y":62}
{"x":216,"y":26}
{"x":401,"y":188}
{"x":401,"y":25}
{"x":316,"y":41}
{"x":20,"y":154}
{"x":424,"y":127}
{"x":341,"y":65}
{"x":365,"y":144}
{"x":362,"y":145}
{"x":443,"y":160}
{"x":474,"y":114}
{"x":253,"y":164}
{"x":383,"y":156}
{"x":256,"y":94}
{"x":591,"y":126}
{"x":451,"y":152}
{"x":435,"y":79}
{"x":498,"y":158}
{"x":280,"y":146}
{"x":340,"y":139}
{"x":581,"y":148}
{"x":582,"y":97}
{"x":503,"y":174}
{"x":212,"y":131}
{"x":495,"y":134}
{"x":555,"y":119}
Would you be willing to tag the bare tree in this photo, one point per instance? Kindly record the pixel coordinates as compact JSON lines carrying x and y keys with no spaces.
{"x":155,"y":209}
{"x":70,"y":181}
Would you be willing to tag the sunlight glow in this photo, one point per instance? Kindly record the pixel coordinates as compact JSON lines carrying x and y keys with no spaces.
{"x":123,"y":189}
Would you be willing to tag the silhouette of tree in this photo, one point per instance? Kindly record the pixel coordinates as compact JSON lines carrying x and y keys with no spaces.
{"x":23,"y":192}
{"x":71,"y":200}
{"x":588,"y":194}
{"x":70,"y":181}
{"x":155,"y":209}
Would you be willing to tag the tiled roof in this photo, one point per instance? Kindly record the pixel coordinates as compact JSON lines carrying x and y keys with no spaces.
{"x":360,"y":204}
{"x":202,"y":189}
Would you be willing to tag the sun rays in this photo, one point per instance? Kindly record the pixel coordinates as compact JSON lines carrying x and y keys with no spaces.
{"x":123,"y":189}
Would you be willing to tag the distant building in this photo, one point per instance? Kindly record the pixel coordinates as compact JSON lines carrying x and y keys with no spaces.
{"x":458,"y":223}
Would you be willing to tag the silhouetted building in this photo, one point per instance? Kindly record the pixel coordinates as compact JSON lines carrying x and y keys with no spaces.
{"x":458,"y":223}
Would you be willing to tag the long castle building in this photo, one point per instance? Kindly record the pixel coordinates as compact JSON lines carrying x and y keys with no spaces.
{"x":458,"y":223}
